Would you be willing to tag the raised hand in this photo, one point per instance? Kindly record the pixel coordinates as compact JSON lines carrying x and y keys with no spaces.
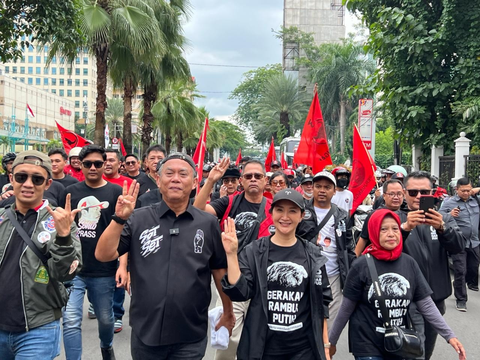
{"x":126,"y":202}
{"x":63,"y":218}
{"x":414,"y":218}
{"x":229,"y":237}
{"x":218,"y":170}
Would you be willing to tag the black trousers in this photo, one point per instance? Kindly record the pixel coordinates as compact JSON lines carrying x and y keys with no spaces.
{"x":465,"y":268}
{"x":426,"y":331}
{"x":189,"y":351}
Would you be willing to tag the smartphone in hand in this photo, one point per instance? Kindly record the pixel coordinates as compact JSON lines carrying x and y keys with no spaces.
{"x":427,"y":202}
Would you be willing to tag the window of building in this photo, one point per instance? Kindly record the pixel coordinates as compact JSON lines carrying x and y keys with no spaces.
{"x":77,"y":60}
{"x":54,"y":91}
{"x":69,"y":93}
{"x":61,"y":92}
{"x":85,"y":93}
{"x":30,"y":59}
{"x":7,"y":69}
{"x":77,"y":71}
{"x":22,"y":69}
{"x":85,"y":82}
{"x":69,"y":71}
{"x":62,"y":82}
{"x":22,"y":59}
{"x":62,"y":60}
{"x":77,"y":104}
{"x":77,"y":93}
{"x":45,"y":59}
{"x":30,"y":81}
{"x":62,"y":71}
{"x":30,"y":48}
{"x":14,"y":69}
{"x":54,"y":81}
{"x":85,"y":71}
{"x":77,"y":82}
{"x":45,"y":81}
{"x":77,"y":114}
{"x":22,"y":80}
{"x":38,"y":59}
{"x":69,"y":82}
{"x":38,"y":70}
{"x":85,"y":61}
{"x":30,"y":70}
{"x":45,"y":71}
{"x":54,"y":71}
{"x":38,"y":81}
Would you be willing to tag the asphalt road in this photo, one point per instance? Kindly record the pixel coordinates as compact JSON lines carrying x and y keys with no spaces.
{"x":465,"y":326}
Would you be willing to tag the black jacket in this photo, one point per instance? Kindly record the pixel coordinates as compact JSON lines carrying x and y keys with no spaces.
{"x":252,"y":284}
{"x":344,"y":242}
{"x":429,"y":248}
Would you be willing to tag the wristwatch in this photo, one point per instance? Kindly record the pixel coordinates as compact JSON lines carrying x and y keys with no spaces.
{"x":118,"y":219}
{"x":442,"y":227}
{"x":327,"y":345}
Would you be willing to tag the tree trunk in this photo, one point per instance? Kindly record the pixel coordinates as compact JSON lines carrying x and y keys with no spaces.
{"x":168,"y":142}
{"x":285,"y":122}
{"x":334,"y":140}
{"x":149,"y":98}
{"x":127,"y":114}
{"x":179,"y":141}
{"x":101,"y":55}
{"x":343,"y":120}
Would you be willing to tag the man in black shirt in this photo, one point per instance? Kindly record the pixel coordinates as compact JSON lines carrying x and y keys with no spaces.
{"x":59,"y":161}
{"x":132,"y":165}
{"x":7,"y":162}
{"x":174,"y":249}
{"x":153,"y":156}
{"x":95,"y":198}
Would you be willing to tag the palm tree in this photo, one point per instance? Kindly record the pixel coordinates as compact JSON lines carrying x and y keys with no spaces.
{"x":340,"y":66}
{"x":105,"y":22}
{"x":114,"y":116}
{"x":282,"y":107}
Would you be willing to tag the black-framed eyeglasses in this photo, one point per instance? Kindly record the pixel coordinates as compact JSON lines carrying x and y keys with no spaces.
{"x":257,"y":176}
{"x":22,"y":177}
{"x":414,"y":192}
{"x":97,"y":163}
{"x":128,"y":163}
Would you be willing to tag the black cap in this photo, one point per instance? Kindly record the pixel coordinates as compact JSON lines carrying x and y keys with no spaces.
{"x":231,"y":173}
{"x":275,"y":163}
{"x":290,"y":195}
{"x":207,"y":168}
{"x":307,"y":178}
{"x":179,"y":156}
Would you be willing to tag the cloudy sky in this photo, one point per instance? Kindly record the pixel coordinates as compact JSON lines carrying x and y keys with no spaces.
{"x":228,"y":32}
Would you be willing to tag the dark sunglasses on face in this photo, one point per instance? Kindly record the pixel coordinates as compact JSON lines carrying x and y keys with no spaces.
{"x":22,"y":177}
{"x":414,"y":192}
{"x":257,"y":176}
{"x":128,"y":163}
{"x":226,"y":181}
{"x":97,"y":163}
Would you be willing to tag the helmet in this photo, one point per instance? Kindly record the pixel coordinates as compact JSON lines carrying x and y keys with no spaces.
{"x":340,"y":170}
{"x":289,"y":172}
{"x":378,"y":174}
{"x":74,"y":151}
{"x":434,"y":177}
{"x":398,"y":169}
{"x":7,"y":158}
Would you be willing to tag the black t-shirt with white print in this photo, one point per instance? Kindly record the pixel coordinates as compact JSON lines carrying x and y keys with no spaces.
{"x":402,"y":283}
{"x":98,"y":206}
{"x":289,"y":321}
{"x":244,"y":215}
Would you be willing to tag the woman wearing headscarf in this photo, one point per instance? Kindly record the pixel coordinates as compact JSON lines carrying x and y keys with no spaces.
{"x":401,"y":282}
{"x":286,"y":281}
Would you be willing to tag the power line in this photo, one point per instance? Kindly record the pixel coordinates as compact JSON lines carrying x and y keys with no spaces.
{"x":223,"y":65}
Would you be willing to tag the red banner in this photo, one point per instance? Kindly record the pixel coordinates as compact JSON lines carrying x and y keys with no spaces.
{"x":122,"y":148}
{"x":283,"y":161}
{"x":71,"y":139}
{"x":199,"y":155}
{"x":239,"y":157}
{"x":313,"y":148}
{"x":271,"y":156}
{"x":363,"y":171}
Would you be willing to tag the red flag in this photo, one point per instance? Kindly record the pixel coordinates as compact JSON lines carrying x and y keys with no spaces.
{"x":313,"y":147}
{"x":71,"y":139}
{"x":122,"y":148}
{"x":199,"y":155}
{"x":271,"y":156}
{"x":239,"y":157}
{"x":362,"y":179}
{"x":30,"y":110}
{"x":283,"y":161}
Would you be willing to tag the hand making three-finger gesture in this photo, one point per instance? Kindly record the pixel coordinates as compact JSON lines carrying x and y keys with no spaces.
{"x":126,"y":202}
{"x":219,"y":170}
{"x":63,"y":218}
{"x":229,"y":237}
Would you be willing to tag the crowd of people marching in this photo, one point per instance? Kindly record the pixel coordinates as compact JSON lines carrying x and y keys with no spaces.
{"x":292,"y":262}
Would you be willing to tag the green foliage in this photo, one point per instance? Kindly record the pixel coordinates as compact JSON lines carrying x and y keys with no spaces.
{"x":24,"y":22}
{"x":233,"y":138}
{"x":469,"y":110}
{"x":248,"y":92}
{"x":54,"y":144}
{"x":427,"y":54}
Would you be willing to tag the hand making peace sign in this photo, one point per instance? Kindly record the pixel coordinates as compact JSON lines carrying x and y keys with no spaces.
{"x":126,"y":202}
{"x":63,"y":218}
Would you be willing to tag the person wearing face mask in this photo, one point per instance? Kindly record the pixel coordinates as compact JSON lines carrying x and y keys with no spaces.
{"x":343,"y":198}
{"x":307,"y":187}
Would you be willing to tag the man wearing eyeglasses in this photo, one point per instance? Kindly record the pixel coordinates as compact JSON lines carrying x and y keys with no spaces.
{"x":96,"y":199}
{"x":430,"y":236}
{"x":464,"y":207}
{"x":251,"y":223}
{"x":33,"y":294}
{"x":230,"y":181}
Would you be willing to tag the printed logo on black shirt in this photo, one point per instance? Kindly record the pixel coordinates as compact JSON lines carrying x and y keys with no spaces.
{"x":150,"y":241}
{"x":198,"y":242}
{"x":90,"y":215}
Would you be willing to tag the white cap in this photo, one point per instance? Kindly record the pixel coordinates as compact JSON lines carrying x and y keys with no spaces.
{"x":325,"y":175}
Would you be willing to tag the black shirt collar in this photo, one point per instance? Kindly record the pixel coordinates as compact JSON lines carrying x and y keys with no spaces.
{"x":163,"y":209}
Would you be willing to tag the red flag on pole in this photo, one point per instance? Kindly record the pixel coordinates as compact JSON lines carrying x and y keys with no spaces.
{"x":313,"y":147}
{"x":363,"y":171}
{"x":122,"y":148}
{"x":199,"y":155}
{"x":71,"y":139}
{"x":239,"y":157}
{"x":283,"y":161}
{"x":271,"y":156}
{"x":30,"y":110}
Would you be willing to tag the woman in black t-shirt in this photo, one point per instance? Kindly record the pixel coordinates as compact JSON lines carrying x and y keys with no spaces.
{"x":286,"y":280}
{"x":402,"y":283}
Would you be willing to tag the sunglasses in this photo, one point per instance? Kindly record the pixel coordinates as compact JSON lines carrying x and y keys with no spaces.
{"x":233,"y":181}
{"x":22,"y":177}
{"x":257,"y":176}
{"x":97,"y":163}
{"x":128,"y":163}
{"x":414,"y":192}
{"x":278,"y":182}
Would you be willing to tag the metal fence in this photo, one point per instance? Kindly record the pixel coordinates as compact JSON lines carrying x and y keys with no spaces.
{"x":472,"y":168}
{"x":447,"y":170}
